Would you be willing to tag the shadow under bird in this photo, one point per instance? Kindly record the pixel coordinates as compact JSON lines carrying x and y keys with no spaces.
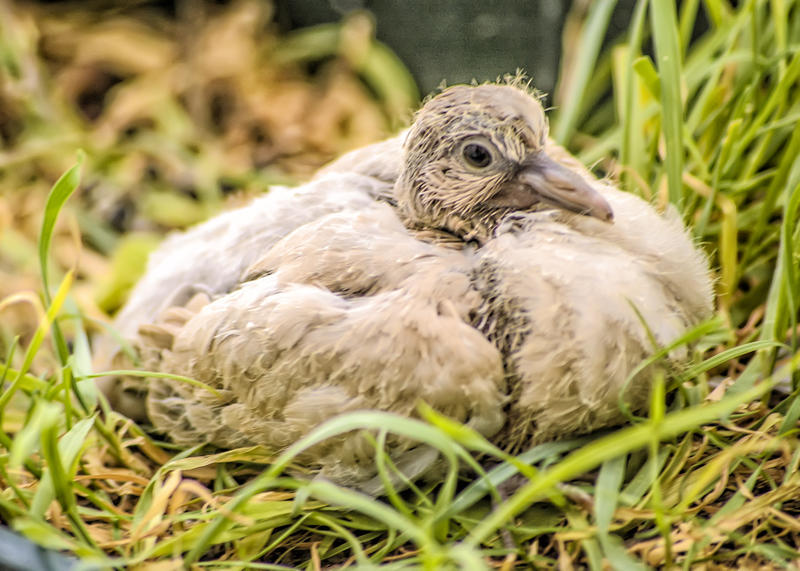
{"x":469,"y":263}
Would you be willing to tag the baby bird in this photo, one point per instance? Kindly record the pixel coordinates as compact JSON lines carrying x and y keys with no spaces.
{"x":469,"y":263}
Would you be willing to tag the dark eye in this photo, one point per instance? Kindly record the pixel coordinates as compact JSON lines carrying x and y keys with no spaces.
{"x":477,"y":155}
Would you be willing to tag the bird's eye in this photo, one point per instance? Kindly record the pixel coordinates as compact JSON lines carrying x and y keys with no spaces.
{"x":477,"y":155}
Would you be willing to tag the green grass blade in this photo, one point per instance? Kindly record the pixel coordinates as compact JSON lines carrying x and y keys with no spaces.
{"x":606,"y":492}
{"x":156,"y":375}
{"x":45,"y":323}
{"x":789,"y":225}
{"x":61,"y":481}
{"x":621,"y":442}
{"x":27,"y":440}
{"x":342,"y":424}
{"x":728,"y":355}
{"x":668,"y":60}
{"x":69,"y":448}
{"x":606,"y":498}
{"x":61,"y":191}
{"x":579,"y":75}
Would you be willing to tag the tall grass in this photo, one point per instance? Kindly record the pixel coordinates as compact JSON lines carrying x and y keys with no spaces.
{"x":707,"y":126}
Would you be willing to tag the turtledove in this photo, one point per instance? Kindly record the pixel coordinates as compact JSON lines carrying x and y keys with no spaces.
{"x":468,"y":262}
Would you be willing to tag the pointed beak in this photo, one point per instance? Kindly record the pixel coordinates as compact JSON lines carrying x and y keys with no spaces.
{"x":556,"y":185}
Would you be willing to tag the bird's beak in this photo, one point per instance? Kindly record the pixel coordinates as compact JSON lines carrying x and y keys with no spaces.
{"x":542,"y":179}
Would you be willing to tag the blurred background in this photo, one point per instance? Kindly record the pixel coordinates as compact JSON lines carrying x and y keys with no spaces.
{"x":453,"y":40}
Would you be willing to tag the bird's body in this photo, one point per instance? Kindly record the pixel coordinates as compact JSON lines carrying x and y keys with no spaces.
{"x":561,"y":295}
{"x":436,"y":273}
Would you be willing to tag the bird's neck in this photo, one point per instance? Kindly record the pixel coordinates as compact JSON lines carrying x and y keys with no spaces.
{"x":450,"y":230}
{"x":436,"y":225}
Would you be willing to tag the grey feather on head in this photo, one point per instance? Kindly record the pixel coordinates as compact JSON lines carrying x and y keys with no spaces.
{"x":476,"y":153}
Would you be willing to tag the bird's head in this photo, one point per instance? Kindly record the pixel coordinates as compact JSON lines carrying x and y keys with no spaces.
{"x":475,"y":154}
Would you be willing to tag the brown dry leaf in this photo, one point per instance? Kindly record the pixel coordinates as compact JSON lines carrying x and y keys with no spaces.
{"x":151,"y":520}
{"x":164,"y":565}
{"x":229,"y":44}
{"x":118,"y":475}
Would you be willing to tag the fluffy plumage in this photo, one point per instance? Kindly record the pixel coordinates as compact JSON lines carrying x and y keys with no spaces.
{"x":477,"y":268}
